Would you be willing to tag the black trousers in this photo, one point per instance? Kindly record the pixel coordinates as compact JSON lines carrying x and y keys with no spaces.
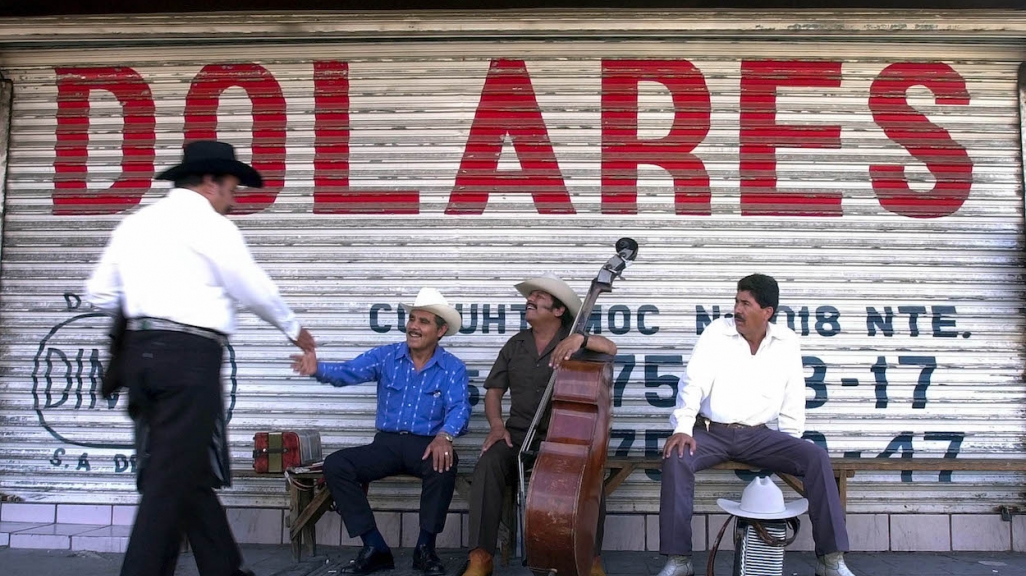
{"x":175,"y":394}
{"x":495,"y":471}
{"x":347,"y":471}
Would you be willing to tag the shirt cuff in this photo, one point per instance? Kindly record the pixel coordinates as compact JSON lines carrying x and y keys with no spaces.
{"x":790,"y":432}
{"x":291,"y":329}
{"x":685,"y":426}
{"x":319,"y":374}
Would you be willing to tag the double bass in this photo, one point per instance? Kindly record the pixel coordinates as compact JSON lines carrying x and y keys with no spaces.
{"x":559,"y":514}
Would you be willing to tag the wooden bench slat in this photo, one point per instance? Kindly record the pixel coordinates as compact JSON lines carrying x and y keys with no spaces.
{"x":859,"y":464}
{"x":930,"y":464}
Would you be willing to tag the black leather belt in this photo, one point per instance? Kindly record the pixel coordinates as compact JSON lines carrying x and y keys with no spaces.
{"x":142,"y":324}
{"x":703,"y":421}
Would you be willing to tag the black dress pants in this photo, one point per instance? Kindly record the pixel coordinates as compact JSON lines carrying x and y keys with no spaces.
{"x":175,"y":395}
{"x":390,"y":454}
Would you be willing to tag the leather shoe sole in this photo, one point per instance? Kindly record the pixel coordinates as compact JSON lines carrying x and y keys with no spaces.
{"x":428,"y":567}
{"x":374,"y":563}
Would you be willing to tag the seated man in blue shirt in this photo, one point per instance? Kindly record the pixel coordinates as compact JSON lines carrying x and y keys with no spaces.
{"x":422,"y":404}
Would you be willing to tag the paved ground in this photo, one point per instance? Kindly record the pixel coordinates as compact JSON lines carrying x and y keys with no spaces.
{"x":277,"y":561}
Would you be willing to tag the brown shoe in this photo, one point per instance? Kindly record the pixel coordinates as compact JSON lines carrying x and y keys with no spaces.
{"x":479,"y":563}
{"x":596,"y":567}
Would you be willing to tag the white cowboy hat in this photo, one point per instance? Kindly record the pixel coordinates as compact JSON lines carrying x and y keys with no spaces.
{"x":548,"y":282}
{"x":762,"y":500}
{"x":431,"y":300}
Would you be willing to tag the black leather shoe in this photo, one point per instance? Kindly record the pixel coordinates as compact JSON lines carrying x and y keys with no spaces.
{"x":368,"y":561}
{"x":427,"y":561}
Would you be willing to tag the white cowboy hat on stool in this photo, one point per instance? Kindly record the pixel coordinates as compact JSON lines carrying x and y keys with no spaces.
{"x":550,"y":283}
{"x":762,"y":500}
{"x":431,"y":300}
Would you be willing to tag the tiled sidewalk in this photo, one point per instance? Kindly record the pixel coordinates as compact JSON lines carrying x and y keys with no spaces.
{"x":66,"y":527}
{"x":277,"y":561}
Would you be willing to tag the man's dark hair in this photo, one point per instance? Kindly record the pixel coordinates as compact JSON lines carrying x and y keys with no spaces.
{"x":439,"y":322}
{"x":190,"y":180}
{"x":764,"y":288}
{"x":567,"y":319}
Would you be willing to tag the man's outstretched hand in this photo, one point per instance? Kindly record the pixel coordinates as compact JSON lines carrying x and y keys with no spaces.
{"x":305,"y":364}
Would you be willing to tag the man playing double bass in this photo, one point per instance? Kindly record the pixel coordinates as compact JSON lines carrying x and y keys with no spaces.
{"x":524,"y":367}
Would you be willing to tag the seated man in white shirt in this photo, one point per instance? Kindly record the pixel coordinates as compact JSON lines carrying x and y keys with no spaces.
{"x":744,"y":399}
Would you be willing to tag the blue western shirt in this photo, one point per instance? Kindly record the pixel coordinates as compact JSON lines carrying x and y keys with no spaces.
{"x":423,"y":403}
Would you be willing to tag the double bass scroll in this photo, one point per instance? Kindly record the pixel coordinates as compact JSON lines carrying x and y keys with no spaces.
{"x":559,"y":513}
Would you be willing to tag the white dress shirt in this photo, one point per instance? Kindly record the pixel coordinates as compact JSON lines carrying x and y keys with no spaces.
{"x":180,"y":260}
{"x":726,"y":383}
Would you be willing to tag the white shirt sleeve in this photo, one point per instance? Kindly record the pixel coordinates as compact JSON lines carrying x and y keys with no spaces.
{"x":103,"y":289}
{"x":246,"y":282}
{"x":695,"y":387}
{"x":792,"y":412}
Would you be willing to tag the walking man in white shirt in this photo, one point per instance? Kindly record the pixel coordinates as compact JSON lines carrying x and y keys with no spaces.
{"x":744,"y":399}
{"x":177,"y":269}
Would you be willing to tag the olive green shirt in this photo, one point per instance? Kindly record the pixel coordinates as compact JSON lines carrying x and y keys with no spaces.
{"x":525,"y":373}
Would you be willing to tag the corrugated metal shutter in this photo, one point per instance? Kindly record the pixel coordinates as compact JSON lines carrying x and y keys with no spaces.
{"x":6,"y":93}
{"x":911,"y":326}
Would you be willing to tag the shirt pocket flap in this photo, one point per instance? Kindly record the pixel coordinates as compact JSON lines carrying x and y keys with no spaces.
{"x":433,"y":388}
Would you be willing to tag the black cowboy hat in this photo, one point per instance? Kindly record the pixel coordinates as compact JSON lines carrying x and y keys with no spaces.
{"x":214,"y":158}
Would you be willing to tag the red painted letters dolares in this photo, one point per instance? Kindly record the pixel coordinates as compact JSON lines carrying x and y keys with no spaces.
{"x":509,"y":107}
{"x":623,"y":151}
{"x":70,"y":195}
{"x":332,"y":194}
{"x":268,"y":123}
{"x":946,"y":159}
{"x":761,"y":136}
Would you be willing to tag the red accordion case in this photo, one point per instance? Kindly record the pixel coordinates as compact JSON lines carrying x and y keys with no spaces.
{"x":275,"y":452}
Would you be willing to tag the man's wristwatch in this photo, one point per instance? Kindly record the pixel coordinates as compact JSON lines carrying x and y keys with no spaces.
{"x":584,"y":343}
{"x":447,"y":436}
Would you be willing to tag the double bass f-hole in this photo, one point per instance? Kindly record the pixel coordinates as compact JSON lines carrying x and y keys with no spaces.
{"x":559,"y":510}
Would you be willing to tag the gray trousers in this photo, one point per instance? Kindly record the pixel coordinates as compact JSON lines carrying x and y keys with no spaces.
{"x":494,"y":472}
{"x":761,"y":447}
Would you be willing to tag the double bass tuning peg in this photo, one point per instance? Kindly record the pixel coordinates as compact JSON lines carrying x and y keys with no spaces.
{"x":627,"y":248}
